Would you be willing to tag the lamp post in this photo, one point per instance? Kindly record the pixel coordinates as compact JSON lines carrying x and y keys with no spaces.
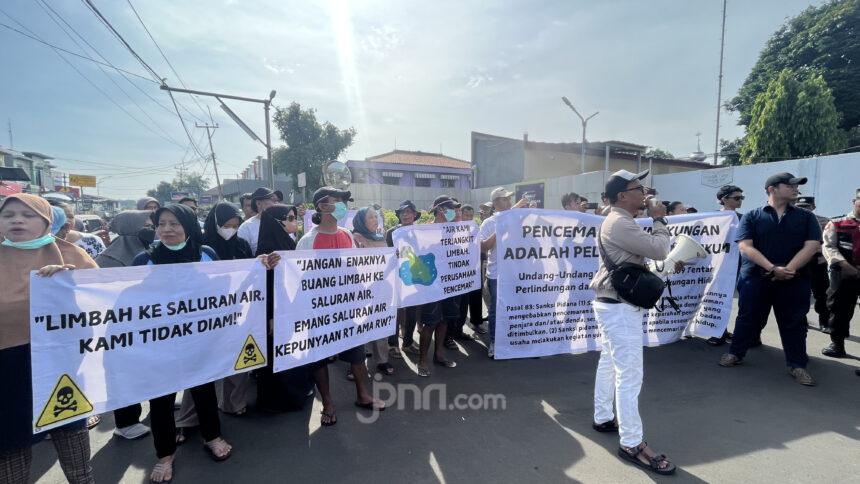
{"x":98,"y":184}
{"x":266,"y":104}
{"x":584,"y":126}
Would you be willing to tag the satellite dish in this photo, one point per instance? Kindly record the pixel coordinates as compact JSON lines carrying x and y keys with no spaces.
{"x":336,"y":174}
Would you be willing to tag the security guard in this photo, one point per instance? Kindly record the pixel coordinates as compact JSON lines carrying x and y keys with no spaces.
{"x":842,"y":251}
{"x":818,"y":268}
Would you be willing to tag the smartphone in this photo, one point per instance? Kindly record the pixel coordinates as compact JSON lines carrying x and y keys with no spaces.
{"x":651,"y":191}
{"x":592,"y":206}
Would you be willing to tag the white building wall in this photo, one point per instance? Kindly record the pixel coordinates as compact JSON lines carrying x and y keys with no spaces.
{"x":833,"y":181}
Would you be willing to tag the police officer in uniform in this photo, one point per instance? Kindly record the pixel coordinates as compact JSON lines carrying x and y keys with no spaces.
{"x":842,"y":251}
{"x":818,"y":269}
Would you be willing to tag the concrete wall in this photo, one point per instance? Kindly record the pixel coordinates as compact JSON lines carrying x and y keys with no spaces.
{"x":833,"y":181}
{"x":390,"y":196}
{"x":496,"y":160}
{"x":589,"y":185}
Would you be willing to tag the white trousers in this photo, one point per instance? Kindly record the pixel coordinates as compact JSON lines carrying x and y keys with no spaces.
{"x":619,"y":371}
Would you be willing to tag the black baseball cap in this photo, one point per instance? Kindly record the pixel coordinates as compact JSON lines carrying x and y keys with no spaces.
{"x":784,"y":178}
{"x":323,"y":192}
{"x":261,"y":193}
{"x":726,"y":190}
{"x":444,"y":200}
{"x":619,"y":180}
{"x":804,"y":200}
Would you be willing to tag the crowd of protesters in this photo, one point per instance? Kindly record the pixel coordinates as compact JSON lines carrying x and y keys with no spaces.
{"x":787,"y":253}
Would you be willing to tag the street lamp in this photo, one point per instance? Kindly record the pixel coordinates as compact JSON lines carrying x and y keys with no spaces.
{"x":101,"y":179}
{"x":584,"y":125}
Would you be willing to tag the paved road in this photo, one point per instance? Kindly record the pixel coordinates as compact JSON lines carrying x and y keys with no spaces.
{"x":751,"y":423}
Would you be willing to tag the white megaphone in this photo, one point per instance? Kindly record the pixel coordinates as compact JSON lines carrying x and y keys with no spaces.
{"x":686,"y":248}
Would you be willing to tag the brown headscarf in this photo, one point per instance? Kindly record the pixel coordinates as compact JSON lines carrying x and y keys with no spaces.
{"x":17,"y":264}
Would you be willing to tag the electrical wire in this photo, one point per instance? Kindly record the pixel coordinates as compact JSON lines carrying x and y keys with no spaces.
{"x":119,"y":37}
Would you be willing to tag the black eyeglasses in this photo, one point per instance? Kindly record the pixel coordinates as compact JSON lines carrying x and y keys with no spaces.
{"x":288,"y":218}
{"x":737,"y":198}
{"x":641,"y":188}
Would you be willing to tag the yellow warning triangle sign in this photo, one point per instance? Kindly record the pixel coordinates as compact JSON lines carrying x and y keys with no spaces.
{"x":66,"y":401}
{"x":250,"y":355}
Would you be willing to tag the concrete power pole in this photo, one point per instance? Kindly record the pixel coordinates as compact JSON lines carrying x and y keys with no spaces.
{"x":720,"y":86}
{"x":212,"y":150}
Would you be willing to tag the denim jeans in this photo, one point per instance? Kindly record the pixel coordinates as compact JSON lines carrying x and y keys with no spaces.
{"x":492,"y":284}
{"x":619,"y":370}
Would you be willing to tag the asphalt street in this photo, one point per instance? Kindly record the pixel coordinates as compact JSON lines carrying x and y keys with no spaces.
{"x":751,"y":423}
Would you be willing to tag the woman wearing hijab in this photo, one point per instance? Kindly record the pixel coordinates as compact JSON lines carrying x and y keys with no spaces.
{"x":180,"y":241}
{"x":25,"y":224}
{"x":148,"y":203}
{"x":219,"y":232}
{"x":135,"y":233}
{"x":364,"y":224}
{"x":286,"y":390}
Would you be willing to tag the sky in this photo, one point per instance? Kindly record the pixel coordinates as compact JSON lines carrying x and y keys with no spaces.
{"x":415,"y":75}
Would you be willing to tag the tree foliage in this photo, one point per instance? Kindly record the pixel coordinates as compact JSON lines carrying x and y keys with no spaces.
{"x":822,"y":40}
{"x":193,"y":183}
{"x":792,"y":118}
{"x":658,"y":153}
{"x":730,"y":150}
{"x":309,"y":144}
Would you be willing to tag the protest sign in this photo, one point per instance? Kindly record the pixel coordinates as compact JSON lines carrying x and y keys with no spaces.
{"x":547,"y":259}
{"x":328,"y":301}
{"x":437,"y":261}
{"x":103,"y":339}
{"x":345,"y":222}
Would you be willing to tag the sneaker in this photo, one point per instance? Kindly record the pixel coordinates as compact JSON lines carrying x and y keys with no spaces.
{"x":394,"y":352}
{"x":802,"y":376}
{"x":477,"y":329}
{"x":132,"y":431}
{"x":412,"y":349}
{"x":491,"y":352}
{"x":835,"y":350}
{"x":728,"y":360}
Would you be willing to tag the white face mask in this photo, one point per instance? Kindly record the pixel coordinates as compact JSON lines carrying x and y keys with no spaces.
{"x":226,"y":234}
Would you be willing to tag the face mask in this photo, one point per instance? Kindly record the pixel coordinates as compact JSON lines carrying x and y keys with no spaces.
{"x":30,"y":244}
{"x":146,"y":235}
{"x":226,"y":234}
{"x":450,"y":214}
{"x":176,"y":247}
{"x":339,"y":210}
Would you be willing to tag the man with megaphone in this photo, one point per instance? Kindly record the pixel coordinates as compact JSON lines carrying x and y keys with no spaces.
{"x":623,"y":247}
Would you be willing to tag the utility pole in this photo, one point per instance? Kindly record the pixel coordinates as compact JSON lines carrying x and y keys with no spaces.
{"x":11,"y":144}
{"x":181,"y":177}
{"x":266,"y":105}
{"x":584,"y":126}
{"x":720,"y":86}
{"x":211,"y":149}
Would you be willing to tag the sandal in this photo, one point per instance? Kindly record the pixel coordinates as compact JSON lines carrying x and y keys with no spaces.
{"x":372,"y":405}
{"x":445,"y":363}
{"x":93,"y":421}
{"x":386,"y":368}
{"x":653,"y":464}
{"x":161,"y":468}
{"x":451,"y":344}
{"x":216,"y":449}
{"x":423,"y":371}
{"x":332,"y":419}
{"x":180,"y":436}
{"x":349,"y":375}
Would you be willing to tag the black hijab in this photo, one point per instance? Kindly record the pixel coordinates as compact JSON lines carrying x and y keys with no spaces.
{"x":272,"y":234}
{"x":235,"y":247}
{"x":193,"y":236}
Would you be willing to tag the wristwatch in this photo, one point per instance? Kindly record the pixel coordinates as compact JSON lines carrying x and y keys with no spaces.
{"x":662,"y":220}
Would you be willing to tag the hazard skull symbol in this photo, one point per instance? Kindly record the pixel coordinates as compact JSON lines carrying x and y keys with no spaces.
{"x":249,"y":353}
{"x":65,"y":401}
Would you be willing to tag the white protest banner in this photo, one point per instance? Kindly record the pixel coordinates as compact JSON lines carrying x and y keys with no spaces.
{"x":345,"y":222}
{"x":437,"y":261}
{"x":103,"y":339}
{"x":328,"y":301}
{"x":547,"y":259}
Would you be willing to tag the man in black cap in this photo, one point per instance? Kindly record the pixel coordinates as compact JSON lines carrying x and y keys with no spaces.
{"x":777,"y":242}
{"x":407,"y":317}
{"x":261,"y":199}
{"x":619,"y":370}
{"x":731,"y":197}
{"x":842,"y":251}
{"x":818,"y":268}
{"x":437,"y":317}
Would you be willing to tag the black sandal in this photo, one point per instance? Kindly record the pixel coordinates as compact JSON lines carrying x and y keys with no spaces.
{"x":609,"y":426}
{"x":653,"y":462}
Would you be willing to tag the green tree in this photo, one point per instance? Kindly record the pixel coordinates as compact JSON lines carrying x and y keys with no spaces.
{"x":730,"y":150}
{"x":193,"y":183}
{"x":823,"y":39}
{"x":162,"y":192}
{"x":792,"y":118}
{"x":658,"y":153}
{"x":309,"y":144}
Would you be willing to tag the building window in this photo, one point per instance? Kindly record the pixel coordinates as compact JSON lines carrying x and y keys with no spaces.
{"x":360,"y":175}
{"x":422,"y":182}
{"x":391,"y":180}
{"x":449,"y":181}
